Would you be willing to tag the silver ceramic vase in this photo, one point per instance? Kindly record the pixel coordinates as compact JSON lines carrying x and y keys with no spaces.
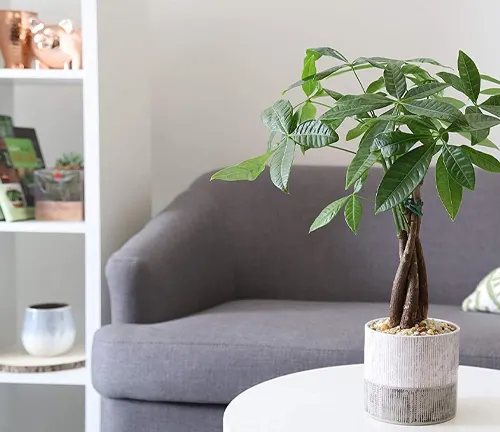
{"x":48,"y":330}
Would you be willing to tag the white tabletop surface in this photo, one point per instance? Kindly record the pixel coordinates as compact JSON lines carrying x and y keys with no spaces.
{"x":331,"y":400}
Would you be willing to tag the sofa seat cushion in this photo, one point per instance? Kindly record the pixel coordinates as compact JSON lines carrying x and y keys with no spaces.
{"x":212,"y":356}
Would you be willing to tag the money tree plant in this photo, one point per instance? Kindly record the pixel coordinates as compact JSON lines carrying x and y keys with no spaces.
{"x":402,"y":120}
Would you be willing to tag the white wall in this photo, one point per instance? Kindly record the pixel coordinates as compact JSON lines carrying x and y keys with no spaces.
{"x":218,"y":63}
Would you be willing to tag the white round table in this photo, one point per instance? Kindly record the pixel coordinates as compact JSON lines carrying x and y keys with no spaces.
{"x":331,"y":400}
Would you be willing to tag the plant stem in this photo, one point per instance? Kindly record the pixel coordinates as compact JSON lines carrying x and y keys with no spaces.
{"x":320,"y":103}
{"x":299,"y":104}
{"x":423,"y":288}
{"x":402,"y":217}
{"x":365,"y":198}
{"x":343,"y":149}
{"x":314,"y":102}
{"x":357,"y":77}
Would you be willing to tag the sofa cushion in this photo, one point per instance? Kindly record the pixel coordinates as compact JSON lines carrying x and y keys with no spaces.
{"x":212,"y":356}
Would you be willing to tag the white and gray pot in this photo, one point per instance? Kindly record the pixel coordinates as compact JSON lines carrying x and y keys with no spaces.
{"x":411,"y":380}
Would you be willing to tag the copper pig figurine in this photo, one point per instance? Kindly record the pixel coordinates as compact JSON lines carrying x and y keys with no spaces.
{"x":15,"y":38}
{"x":56,"y":46}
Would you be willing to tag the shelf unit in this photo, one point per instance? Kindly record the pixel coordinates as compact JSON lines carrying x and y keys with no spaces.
{"x":70,"y":377}
{"x":36,"y":76}
{"x":104,"y":112}
{"x":43,"y":227}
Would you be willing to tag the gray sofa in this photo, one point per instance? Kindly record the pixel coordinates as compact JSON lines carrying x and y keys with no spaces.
{"x":226,"y":289}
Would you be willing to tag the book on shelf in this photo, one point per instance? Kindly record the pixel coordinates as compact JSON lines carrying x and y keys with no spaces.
{"x":20,"y":156}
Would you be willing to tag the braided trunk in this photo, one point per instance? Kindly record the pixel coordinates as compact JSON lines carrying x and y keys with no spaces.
{"x":410,"y":300}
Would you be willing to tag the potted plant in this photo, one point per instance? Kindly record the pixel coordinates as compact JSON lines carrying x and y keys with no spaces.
{"x":15,"y":197}
{"x":59,"y":191}
{"x":402,"y":121}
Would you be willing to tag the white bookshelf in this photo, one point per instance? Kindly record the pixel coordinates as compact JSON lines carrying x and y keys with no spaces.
{"x":102,"y":111}
{"x":43,"y":227}
{"x":77,"y":377}
{"x":35,"y":76}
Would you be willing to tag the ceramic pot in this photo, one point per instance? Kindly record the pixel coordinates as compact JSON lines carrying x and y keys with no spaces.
{"x":15,"y":38}
{"x":49,"y":329}
{"x":411,"y":380}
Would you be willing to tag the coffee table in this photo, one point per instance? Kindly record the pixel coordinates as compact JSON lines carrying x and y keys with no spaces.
{"x":331,"y":399}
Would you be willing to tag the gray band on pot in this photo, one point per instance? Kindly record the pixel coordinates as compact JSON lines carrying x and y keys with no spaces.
{"x":411,"y":406}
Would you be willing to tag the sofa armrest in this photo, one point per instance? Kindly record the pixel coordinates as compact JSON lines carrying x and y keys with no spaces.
{"x":177,"y":265}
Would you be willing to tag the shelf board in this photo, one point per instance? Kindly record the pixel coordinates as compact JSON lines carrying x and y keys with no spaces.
{"x":18,"y":367}
{"x":49,"y":76}
{"x":33,"y":226}
{"x":67,"y":377}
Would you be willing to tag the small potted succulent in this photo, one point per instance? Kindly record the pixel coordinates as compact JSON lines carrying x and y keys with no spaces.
{"x":15,"y":197}
{"x":402,"y":121}
{"x":59,"y":191}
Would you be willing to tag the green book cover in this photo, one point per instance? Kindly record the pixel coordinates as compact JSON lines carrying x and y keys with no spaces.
{"x":6,"y":129}
{"x":18,"y":160}
{"x":6,"y":126}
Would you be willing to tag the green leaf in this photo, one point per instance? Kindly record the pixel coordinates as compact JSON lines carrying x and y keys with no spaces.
{"x":350,"y":106}
{"x":403,"y":177}
{"x":482,"y":160}
{"x":459,"y":166}
{"x":307,"y":112}
{"x":484,"y":143}
{"x":478,"y":121}
{"x":452,"y":80}
{"x":281,"y":164}
{"x":376,"y":85}
{"x":349,"y":70}
{"x":471,"y":80}
{"x":427,"y":60}
{"x":395,"y":81}
{"x":352,"y":213}
{"x":360,"y":182}
{"x":295,"y":121}
{"x":449,"y":190}
{"x":377,"y":62}
{"x":247,"y":170}
{"x":490,"y":79}
{"x":477,"y":136}
{"x":316,"y":77}
{"x":270,"y":142}
{"x":368,"y":62}
{"x":309,"y":70}
{"x":333,"y":94}
{"x":328,"y":213}
{"x":417,"y":71}
{"x":425,"y":90}
{"x":489,"y":144}
{"x":436,"y":109}
{"x":278,"y":117}
{"x":395,"y":143}
{"x":329,"y":52}
{"x":491,"y":91}
{"x":333,"y":124}
{"x":458,"y":104}
{"x":492,"y":105}
{"x":407,"y":119}
{"x":364,"y":158}
{"x":360,"y":164}
{"x":314,"y":134}
{"x":360,"y":129}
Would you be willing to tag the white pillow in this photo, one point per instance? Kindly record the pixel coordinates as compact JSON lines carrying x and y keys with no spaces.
{"x":486,"y":297}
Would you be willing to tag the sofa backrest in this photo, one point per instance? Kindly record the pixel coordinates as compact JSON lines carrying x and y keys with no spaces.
{"x":273,"y":255}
